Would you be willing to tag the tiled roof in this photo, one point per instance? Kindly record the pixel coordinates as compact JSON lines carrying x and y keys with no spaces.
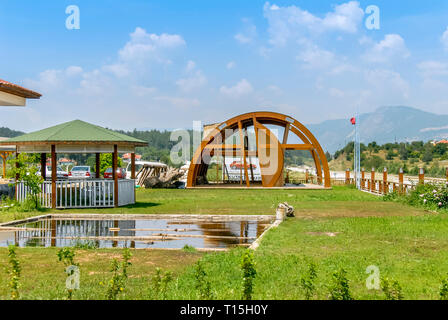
{"x":17,"y":90}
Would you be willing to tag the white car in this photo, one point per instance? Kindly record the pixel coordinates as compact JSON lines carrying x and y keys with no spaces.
{"x":60,"y":174}
{"x":81,"y":172}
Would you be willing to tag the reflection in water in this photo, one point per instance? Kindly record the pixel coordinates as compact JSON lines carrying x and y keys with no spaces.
{"x":155,"y":233}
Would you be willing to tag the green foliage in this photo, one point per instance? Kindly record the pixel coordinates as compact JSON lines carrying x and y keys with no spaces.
{"x":14,"y":273}
{"x":67,"y":256}
{"x":443,"y":292}
{"x":392,"y":289}
{"x":340,"y":289}
{"x":429,"y":195}
{"x":307,"y":281}
{"x":160,"y":282}
{"x":188,"y":248}
{"x":202,"y":284}
{"x":106,"y":162}
{"x":249,"y":274}
{"x":24,"y":167}
{"x":119,"y":271}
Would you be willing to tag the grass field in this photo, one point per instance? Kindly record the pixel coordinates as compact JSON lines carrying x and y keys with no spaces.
{"x":333,"y":228}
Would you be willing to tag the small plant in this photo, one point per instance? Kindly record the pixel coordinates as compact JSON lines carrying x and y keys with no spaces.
{"x":249,"y":274}
{"x":14,"y":273}
{"x":119,"y":275}
{"x":391,"y":289}
{"x":443,"y":293}
{"x":67,"y":256}
{"x":24,"y":167}
{"x":188,"y":248}
{"x":160,"y":281}
{"x":85,"y":245}
{"x":307,"y":281}
{"x":340,"y":289}
{"x":203,"y":286}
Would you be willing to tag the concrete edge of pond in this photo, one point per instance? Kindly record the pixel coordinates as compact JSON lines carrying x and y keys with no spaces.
{"x":254,"y":246}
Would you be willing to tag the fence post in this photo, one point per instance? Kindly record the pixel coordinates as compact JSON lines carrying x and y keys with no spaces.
{"x":347,"y":176}
{"x":400,"y":180}
{"x":421,"y":176}
{"x":385,"y":183}
{"x":306,"y":176}
{"x":372,"y":177}
{"x":363,"y":178}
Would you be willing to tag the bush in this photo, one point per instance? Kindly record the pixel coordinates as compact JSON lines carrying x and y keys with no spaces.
{"x":249,"y":274}
{"x":340,"y":289}
{"x":391,"y":289}
{"x":307,"y":281}
{"x":429,"y":195}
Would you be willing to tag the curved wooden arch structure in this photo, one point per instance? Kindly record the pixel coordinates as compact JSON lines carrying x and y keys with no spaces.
{"x":269,"y":150}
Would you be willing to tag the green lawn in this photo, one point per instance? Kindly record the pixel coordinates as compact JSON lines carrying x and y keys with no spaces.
{"x":406,"y":243}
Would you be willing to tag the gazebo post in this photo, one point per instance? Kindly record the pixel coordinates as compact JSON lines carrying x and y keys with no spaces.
{"x":43,"y":165}
{"x":114,"y":174}
{"x":98,"y":165}
{"x":53,"y":176}
{"x":132,"y":165}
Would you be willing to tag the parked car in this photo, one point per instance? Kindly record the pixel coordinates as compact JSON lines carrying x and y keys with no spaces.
{"x":121,"y":173}
{"x":81,"y":172}
{"x":60,"y":173}
{"x":238,"y":165}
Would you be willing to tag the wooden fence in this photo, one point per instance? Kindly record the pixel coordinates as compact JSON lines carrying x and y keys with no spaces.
{"x":384,"y":184}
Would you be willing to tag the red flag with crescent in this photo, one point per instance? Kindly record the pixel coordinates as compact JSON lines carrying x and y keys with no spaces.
{"x":353,"y":120}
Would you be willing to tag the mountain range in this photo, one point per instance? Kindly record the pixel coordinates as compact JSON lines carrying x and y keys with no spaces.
{"x":385,"y":124}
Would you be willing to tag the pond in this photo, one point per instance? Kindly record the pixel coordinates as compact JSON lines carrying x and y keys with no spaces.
{"x":162,"y":232}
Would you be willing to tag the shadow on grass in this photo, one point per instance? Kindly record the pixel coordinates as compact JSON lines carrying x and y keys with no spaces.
{"x":141,"y":205}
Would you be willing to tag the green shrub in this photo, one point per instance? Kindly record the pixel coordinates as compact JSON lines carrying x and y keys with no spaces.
{"x":249,"y":274}
{"x":67,"y":256}
{"x":117,"y":283}
{"x":307,"y":281}
{"x":14,"y":273}
{"x":392,"y":289}
{"x":160,"y":282}
{"x":443,"y":293}
{"x":340,"y":289}
{"x":202,"y":284}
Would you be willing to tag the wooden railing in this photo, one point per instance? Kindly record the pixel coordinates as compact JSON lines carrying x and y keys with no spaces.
{"x":88,"y":193}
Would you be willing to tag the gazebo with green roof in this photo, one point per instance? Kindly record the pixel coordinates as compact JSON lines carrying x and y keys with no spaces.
{"x":79,"y":137}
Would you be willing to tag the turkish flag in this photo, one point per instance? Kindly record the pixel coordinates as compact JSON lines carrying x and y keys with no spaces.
{"x":353,"y":120}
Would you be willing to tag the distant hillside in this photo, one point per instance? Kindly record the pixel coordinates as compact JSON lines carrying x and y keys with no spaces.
{"x":386,"y":124}
{"x":8,"y":133}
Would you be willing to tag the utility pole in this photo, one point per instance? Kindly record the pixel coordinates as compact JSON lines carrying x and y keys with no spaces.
{"x":356,"y":151}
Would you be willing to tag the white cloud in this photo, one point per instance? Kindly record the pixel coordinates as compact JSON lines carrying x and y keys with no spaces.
{"x":432,"y":68}
{"x":293,"y":22}
{"x":391,"y":47}
{"x":248,"y":34}
{"x":73,"y":71}
{"x":194,"y":80}
{"x":313,"y":57}
{"x":143,"y":46}
{"x":444,"y":39}
{"x":387,"y":82}
{"x":243,"y":87}
{"x":231,"y":65}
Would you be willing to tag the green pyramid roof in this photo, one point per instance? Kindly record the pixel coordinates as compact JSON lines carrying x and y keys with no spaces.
{"x":76,"y":131}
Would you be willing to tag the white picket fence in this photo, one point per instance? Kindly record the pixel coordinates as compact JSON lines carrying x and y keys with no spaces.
{"x":88,"y":193}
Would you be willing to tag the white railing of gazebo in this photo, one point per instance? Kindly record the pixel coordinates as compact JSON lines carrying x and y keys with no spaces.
{"x":85,"y":193}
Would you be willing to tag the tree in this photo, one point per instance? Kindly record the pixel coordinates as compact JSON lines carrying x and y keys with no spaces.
{"x":24,"y":167}
{"x":328,"y":156}
{"x":106,"y":162}
{"x":427,"y":155}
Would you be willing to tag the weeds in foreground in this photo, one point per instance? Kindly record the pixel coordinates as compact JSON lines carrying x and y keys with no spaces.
{"x":160,"y":282}
{"x":67,"y":256}
{"x":392,"y":289}
{"x":117,"y":283}
{"x":14,"y":273}
{"x":307,"y":281}
{"x":202,"y":285}
{"x":443,"y":292}
{"x":249,"y":274}
{"x":340,"y":289}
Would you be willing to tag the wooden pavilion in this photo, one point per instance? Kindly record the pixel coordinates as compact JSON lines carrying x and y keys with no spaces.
{"x":79,"y":137}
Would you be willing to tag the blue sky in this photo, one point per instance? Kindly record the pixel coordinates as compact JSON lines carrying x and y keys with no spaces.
{"x":163,"y":64}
